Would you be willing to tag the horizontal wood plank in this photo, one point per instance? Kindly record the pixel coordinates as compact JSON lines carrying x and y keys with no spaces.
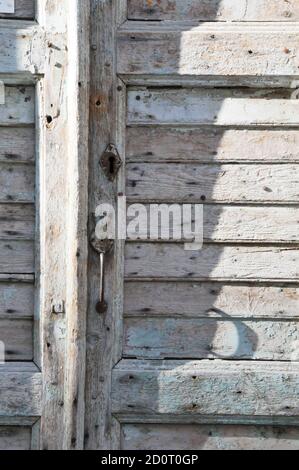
{"x":15,"y":438}
{"x":16,"y":257}
{"x":208,"y":437}
{"x":194,"y":388}
{"x":17,"y":183}
{"x":207,"y":145}
{"x":17,"y":221}
{"x":19,"y":278}
{"x":209,"y":300}
{"x":165,"y":260}
{"x":22,"y":48}
{"x":20,"y":389}
{"x":175,"y":49}
{"x":17,"y":144}
{"x":223,"y":223}
{"x":156,"y":338}
{"x":211,"y":107}
{"x":212,"y":183}
{"x":17,"y":337}
{"x":210,"y":81}
{"x":19,"y":106}
{"x":16,"y":300}
{"x":23,"y":9}
{"x":213,"y":10}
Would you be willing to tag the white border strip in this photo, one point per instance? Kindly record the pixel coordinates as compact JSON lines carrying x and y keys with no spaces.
{"x":2,"y":92}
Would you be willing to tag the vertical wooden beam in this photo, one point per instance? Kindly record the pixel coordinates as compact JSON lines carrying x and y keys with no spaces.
{"x":63,"y":177}
{"x":76,"y":305}
{"x":107,"y":125}
{"x":53,"y":200}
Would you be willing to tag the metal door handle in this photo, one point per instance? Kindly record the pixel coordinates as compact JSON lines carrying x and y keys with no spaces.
{"x":102,"y":248}
{"x":102,"y":306}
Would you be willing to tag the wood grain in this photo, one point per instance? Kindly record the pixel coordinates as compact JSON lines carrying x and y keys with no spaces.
{"x":211,"y":107}
{"x":156,"y":338}
{"x":213,"y":10}
{"x":17,"y":145}
{"x":225,"y":223}
{"x":17,"y":183}
{"x":210,"y":300}
{"x":16,"y":257}
{"x":16,"y":300}
{"x":22,"y":49}
{"x":19,"y":106}
{"x":107,"y":124}
{"x":212,"y":183}
{"x":193,"y":388}
{"x":20,"y":389}
{"x":17,"y":221}
{"x":178,"y":49}
{"x":17,"y":336}
{"x":208,"y":437}
{"x":211,"y":144}
{"x":15,"y":438}
{"x":163,"y":261}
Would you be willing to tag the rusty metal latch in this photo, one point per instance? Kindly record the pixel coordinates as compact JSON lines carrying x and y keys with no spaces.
{"x":102,"y":247}
{"x":111,"y":162}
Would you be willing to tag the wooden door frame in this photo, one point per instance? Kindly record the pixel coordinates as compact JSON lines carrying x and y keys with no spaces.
{"x":107,"y":126}
{"x":62,"y":121}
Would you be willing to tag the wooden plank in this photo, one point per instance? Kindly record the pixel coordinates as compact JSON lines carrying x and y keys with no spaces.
{"x":149,"y":260}
{"x":20,"y":388}
{"x":224,"y":223}
{"x":17,"y":336}
{"x":172,"y":49}
{"x":206,"y":81}
{"x":18,"y":421}
{"x":107,"y":124}
{"x":53,"y":145}
{"x":35,"y":436}
{"x":16,"y":300}
{"x":20,"y":278}
{"x":16,"y":257}
{"x":210,"y":300}
{"x":22,"y":48}
{"x":163,"y":338}
{"x":193,"y":388}
{"x":210,"y":106}
{"x":207,"y":145}
{"x":198,"y":183}
{"x":78,"y":24}
{"x":19,"y":105}
{"x":17,"y":144}
{"x":63,"y":99}
{"x":17,"y":183}
{"x":213,"y":10}
{"x":15,"y":438}
{"x":17,"y":221}
{"x":208,"y":437}
{"x":24,"y":9}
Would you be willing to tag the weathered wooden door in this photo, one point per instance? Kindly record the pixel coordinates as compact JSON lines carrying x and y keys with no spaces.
{"x":197,"y":349}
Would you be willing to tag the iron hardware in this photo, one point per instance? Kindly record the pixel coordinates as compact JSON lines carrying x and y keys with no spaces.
{"x":111,"y":162}
{"x":102,"y":247}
